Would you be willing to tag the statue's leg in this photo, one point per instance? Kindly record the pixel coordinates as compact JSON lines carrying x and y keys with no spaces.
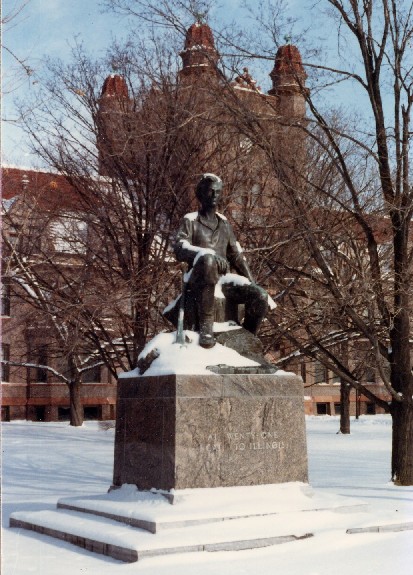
{"x":203,"y":279}
{"x":255,"y":299}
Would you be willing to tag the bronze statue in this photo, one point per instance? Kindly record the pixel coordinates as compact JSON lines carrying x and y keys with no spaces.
{"x":206,"y":242}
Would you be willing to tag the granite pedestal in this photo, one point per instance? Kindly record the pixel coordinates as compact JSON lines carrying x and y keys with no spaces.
{"x":192,"y":431}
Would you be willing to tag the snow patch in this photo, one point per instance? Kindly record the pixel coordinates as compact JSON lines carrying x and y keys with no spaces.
{"x":187,"y":359}
{"x":192,"y":216}
{"x":43,"y":462}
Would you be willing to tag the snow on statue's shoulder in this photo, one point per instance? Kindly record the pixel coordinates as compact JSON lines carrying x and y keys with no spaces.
{"x":191,"y":216}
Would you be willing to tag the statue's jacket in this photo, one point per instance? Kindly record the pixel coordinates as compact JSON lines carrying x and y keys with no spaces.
{"x":198,"y":236}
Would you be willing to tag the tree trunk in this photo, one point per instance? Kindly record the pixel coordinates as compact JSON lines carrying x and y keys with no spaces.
{"x":344,"y":407}
{"x":76,"y":405}
{"x":402,"y":444}
{"x":401,"y":376}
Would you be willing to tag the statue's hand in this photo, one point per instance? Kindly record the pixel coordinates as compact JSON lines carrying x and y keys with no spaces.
{"x":222,"y":265}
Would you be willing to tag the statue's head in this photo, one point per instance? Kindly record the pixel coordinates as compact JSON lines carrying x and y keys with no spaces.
{"x":208,"y":190}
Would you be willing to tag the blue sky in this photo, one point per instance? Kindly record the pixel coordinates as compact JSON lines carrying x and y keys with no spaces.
{"x":51,"y":26}
{"x":44,"y":27}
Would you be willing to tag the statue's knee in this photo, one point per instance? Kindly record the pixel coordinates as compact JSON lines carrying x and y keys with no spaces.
{"x":260,"y":294}
{"x":259,"y":301}
{"x":206,"y":268}
{"x":208,"y":261}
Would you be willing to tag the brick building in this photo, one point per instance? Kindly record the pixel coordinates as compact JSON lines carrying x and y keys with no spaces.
{"x":30,"y":392}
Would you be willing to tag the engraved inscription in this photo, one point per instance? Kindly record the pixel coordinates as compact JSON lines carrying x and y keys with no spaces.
{"x":246,"y":440}
{"x":213,"y":444}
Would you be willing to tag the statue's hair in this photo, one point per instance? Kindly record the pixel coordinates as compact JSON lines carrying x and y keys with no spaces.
{"x":205,"y":181}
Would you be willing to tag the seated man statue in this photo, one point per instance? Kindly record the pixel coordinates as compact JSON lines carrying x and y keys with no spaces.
{"x":206,"y":242}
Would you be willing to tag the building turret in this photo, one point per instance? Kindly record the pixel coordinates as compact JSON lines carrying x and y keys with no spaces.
{"x":199,"y":55}
{"x":115,"y":108}
{"x":288,"y":81}
{"x":114,"y":93}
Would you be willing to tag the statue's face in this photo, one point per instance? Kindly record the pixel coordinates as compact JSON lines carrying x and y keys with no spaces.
{"x":210,"y":196}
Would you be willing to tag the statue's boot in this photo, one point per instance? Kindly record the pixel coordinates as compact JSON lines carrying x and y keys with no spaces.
{"x":206,"y":304}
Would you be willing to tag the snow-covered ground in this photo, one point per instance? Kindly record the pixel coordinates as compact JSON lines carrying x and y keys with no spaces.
{"x":43,"y":462}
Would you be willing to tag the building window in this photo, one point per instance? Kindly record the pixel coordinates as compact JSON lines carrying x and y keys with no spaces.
{"x":92,"y":412}
{"x":31,"y":243}
{"x":323,"y":408}
{"x":370,"y":408}
{"x":92,"y":375}
{"x":14,"y":234}
{"x":69,"y":234}
{"x":63,"y":413}
{"x":5,"y":413}
{"x":5,"y":356}
{"x":42,"y":359}
{"x":320,"y":373}
{"x":337,"y":408}
{"x":40,"y":413}
{"x":370,"y":374}
{"x":5,"y":297}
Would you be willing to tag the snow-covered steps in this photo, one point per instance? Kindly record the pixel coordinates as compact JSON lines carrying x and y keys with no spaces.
{"x":83,"y":532}
{"x":128,"y":525}
{"x":153,"y":510}
{"x":129,"y":544}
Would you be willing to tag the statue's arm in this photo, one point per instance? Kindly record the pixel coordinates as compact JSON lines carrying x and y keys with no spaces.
{"x":183,"y":247}
{"x":236,"y":258}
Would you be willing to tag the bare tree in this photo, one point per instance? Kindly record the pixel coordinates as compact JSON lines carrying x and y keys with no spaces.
{"x":130,"y":155}
{"x":339,"y":247}
{"x":383,"y":32}
{"x":21,"y":68}
{"x":41,"y":266}
{"x":359,"y":266}
{"x":352,"y":279}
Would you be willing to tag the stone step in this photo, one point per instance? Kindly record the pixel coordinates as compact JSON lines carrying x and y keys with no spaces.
{"x":128,"y":524}
{"x":81,"y":532}
{"x":153,"y":511}
{"x":387,"y":528}
{"x":124,"y":543}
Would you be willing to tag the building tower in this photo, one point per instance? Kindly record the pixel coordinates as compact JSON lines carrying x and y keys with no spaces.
{"x":288,"y":82}
{"x":114,"y":111}
{"x":199,"y":56}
